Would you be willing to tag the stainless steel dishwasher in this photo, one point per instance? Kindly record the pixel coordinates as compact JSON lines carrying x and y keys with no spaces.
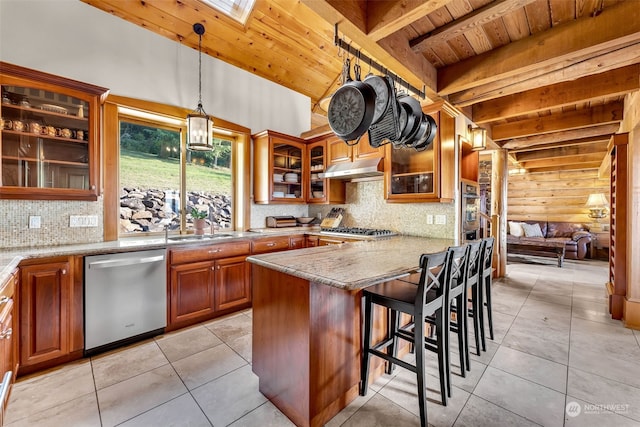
{"x":125,"y":298}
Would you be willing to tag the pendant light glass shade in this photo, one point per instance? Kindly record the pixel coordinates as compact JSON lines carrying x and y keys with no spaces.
{"x":199,"y":124}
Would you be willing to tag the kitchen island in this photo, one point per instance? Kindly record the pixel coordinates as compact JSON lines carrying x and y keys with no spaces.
{"x":306,"y":319}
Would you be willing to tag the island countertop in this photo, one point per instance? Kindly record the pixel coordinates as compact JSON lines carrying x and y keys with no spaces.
{"x":354,"y":265}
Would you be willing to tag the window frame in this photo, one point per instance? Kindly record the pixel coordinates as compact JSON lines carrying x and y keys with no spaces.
{"x":239,"y":135}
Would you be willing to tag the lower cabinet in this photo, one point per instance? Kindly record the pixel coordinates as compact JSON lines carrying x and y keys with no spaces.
{"x":232,"y":283}
{"x":191,"y":293}
{"x":50,"y":313}
{"x":8,"y":343}
{"x":207,"y":281}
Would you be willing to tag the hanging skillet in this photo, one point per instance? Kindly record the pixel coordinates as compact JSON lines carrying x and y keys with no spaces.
{"x":414,"y":117}
{"x":351,"y":107}
{"x":383,"y":95}
{"x":426,"y":133}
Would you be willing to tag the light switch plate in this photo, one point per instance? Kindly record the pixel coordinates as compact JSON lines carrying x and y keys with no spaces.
{"x":34,"y":221}
{"x":429,"y":219}
{"x":83,"y":221}
{"x":441,"y":219}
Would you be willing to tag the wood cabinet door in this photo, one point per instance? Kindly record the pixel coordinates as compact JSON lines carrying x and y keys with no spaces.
{"x":44,"y":296}
{"x":233,"y":283}
{"x":191,"y":292}
{"x":337,"y":150}
{"x":364,"y":150}
{"x":297,"y":242}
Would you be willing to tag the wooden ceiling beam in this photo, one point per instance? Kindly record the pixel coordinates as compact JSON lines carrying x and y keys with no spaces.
{"x":395,"y":55}
{"x":562,"y":136}
{"x":601,"y":114}
{"x":387,"y":17}
{"x":457,"y":27}
{"x":606,"y":60}
{"x":616,"y":82}
{"x":573,"y":142}
{"x":555,"y":168}
{"x":577,"y":150}
{"x":616,"y":25}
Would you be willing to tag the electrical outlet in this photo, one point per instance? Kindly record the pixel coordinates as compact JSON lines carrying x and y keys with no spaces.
{"x":83,"y":221}
{"x":34,"y":221}
{"x":441,"y":219}
{"x":429,"y":219}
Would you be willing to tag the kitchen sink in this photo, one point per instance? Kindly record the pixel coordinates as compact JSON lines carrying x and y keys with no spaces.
{"x":190,"y":238}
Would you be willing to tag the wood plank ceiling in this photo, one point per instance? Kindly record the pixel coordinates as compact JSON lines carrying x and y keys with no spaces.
{"x":547,"y":78}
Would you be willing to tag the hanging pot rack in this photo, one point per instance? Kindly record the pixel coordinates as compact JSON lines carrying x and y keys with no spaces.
{"x":342,"y":44}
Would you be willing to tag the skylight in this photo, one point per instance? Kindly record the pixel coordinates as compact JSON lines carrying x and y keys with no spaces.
{"x":236,"y":9}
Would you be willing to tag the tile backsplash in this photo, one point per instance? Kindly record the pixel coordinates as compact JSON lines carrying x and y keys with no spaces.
{"x":366,"y":207}
{"x":54,"y":223}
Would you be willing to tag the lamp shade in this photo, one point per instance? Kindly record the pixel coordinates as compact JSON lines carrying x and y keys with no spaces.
{"x":597,"y":200}
{"x":199,"y":132}
{"x":478,"y":138}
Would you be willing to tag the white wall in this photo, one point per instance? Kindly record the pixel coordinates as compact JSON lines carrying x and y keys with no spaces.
{"x":72,"y":39}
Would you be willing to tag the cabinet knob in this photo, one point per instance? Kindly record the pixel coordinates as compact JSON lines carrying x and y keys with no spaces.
{"x":218,"y":267}
{"x":63,"y":271}
{"x":93,"y":187}
{"x":271,"y":244}
{"x":214,"y":251}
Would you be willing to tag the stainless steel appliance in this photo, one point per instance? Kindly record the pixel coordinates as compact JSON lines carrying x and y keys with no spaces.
{"x":356,"y":232}
{"x":125,"y":298}
{"x":469,"y":210}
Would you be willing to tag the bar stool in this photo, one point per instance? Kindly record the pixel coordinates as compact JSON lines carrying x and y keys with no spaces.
{"x":473,"y":279}
{"x":429,"y":297}
{"x":457,"y":303}
{"x":486,"y":278}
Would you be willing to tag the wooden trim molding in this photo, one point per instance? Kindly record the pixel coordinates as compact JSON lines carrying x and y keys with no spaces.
{"x":631,"y":313}
{"x":111,"y":151}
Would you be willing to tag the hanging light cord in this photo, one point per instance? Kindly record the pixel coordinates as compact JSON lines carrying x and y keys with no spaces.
{"x":200,"y":72}
{"x":199,"y":30}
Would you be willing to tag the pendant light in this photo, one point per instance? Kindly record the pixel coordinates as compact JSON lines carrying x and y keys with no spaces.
{"x":199,"y":124}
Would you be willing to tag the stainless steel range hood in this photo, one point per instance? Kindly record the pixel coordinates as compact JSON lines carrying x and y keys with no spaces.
{"x":364,"y":168}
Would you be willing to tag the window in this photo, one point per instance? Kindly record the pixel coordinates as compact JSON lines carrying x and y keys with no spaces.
{"x":236,"y":9}
{"x":161,"y":182}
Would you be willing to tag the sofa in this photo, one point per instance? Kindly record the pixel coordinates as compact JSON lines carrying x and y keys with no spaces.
{"x":576,"y":237}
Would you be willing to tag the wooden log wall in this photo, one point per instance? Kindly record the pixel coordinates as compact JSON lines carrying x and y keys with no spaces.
{"x":554,"y":196}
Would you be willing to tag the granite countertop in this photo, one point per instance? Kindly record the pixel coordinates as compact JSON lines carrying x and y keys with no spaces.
{"x":354,"y":265}
{"x":10,"y":258}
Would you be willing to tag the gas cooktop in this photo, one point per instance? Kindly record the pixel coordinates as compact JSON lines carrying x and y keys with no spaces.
{"x":357,"y":231}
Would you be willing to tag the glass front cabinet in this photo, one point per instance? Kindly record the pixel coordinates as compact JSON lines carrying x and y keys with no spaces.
{"x":280,"y":168}
{"x":424,"y":176}
{"x":50,"y":136}
{"x":323,"y":190}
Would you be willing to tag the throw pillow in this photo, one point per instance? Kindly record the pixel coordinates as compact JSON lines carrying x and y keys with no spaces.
{"x":515,"y":229}
{"x":532,"y":230}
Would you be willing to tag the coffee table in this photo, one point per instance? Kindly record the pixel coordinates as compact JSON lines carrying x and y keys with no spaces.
{"x":553,"y":249}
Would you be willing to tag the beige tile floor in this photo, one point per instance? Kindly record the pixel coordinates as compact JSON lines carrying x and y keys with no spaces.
{"x":555,"y":347}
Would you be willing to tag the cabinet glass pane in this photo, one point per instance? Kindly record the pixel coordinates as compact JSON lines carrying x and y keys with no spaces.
{"x":411,"y":171}
{"x":45,"y":139}
{"x":287,"y":168}
{"x":317,"y":184}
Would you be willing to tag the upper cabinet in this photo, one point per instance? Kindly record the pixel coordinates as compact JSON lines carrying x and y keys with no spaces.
{"x":50,"y":136}
{"x":280,"y":168}
{"x":323,"y":190}
{"x":338,"y":151}
{"x":424,"y":176}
